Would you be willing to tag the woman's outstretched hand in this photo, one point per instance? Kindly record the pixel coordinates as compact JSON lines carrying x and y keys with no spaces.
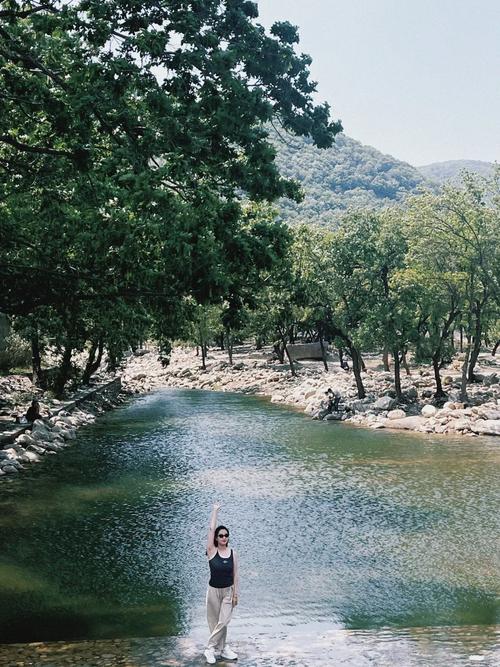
{"x":216,"y":506}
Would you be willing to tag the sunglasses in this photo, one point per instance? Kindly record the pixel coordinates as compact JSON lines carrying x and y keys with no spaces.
{"x":223,"y":535}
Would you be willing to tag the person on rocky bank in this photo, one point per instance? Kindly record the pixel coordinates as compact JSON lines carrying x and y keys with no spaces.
{"x":33,"y":413}
{"x":222,"y":592}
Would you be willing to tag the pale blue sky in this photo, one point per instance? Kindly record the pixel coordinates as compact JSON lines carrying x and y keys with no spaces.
{"x":419,"y":79}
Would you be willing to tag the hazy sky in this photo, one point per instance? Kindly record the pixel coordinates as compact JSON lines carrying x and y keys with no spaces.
{"x":419,"y":79}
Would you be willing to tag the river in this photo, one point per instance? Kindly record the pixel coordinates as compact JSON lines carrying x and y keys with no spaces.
{"x":356,"y":546}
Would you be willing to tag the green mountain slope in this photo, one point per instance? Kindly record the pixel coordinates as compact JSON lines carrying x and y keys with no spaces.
{"x":449,"y":172}
{"x":348,"y":175}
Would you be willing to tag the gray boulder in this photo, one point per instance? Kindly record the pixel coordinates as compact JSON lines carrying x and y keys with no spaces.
{"x":31,"y":457}
{"x":10,"y":454}
{"x":39,"y":427}
{"x":36,"y":448}
{"x":9,"y":469}
{"x":361,"y":405}
{"x":25,"y":439}
{"x":41,"y":436}
{"x":385,"y":403}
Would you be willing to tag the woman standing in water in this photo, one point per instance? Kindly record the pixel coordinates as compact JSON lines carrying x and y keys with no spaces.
{"x":222,"y":593}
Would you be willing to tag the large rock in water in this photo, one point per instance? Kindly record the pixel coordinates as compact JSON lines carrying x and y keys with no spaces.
{"x":407,"y":423}
{"x":333,"y":417}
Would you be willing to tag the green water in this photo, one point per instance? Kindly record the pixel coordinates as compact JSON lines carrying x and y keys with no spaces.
{"x":338,"y":528}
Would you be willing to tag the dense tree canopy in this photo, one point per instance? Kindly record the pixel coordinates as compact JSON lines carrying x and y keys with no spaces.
{"x":129,"y":131}
{"x":157,"y":107}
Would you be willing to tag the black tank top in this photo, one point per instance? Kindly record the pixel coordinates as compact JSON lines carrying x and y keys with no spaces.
{"x":221,"y":571}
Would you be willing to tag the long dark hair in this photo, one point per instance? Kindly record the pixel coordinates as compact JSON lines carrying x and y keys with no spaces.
{"x":217,"y":532}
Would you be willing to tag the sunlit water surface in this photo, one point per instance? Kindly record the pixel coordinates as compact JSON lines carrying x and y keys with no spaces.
{"x":354,"y":543}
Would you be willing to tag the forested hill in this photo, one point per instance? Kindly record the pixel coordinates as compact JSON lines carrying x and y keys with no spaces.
{"x":348,"y":175}
{"x":449,"y":172}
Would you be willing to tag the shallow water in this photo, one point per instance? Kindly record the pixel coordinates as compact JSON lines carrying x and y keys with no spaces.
{"x":349,"y":539}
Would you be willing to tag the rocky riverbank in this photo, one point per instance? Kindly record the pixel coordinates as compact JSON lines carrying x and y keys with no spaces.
{"x":24,"y":444}
{"x":255,"y":372}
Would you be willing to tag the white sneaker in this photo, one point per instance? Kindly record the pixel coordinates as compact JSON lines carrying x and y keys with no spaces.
{"x":228,"y":654}
{"x":210,"y":656}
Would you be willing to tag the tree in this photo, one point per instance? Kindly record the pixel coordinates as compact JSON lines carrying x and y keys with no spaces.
{"x":459,"y":228}
{"x":128,"y":132}
{"x":354,"y":285}
{"x":390,"y":320}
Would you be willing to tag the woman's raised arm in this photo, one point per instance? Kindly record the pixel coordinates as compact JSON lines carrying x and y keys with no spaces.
{"x":211,"y":548}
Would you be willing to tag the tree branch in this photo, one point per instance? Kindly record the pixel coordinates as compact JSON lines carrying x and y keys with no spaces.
{"x":10,"y":13}
{"x":39,"y":150}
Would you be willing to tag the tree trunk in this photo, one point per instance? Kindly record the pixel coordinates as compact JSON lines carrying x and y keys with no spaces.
{"x":90,"y":362}
{"x":203,"y":350}
{"x":436,"y":360}
{"x":93,"y":362}
{"x":341,"y":356}
{"x":323,"y":353}
{"x":279,"y":351}
{"x":476,"y":347}
{"x":221,"y":341}
{"x":38,"y":377}
{"x":404,"y":362}
{"x":290,"y":360}
{"x":356,"y":367}
{"x":362,"y":363}
{"x":229,"y":344}
{"x":495,"y":348}
{"x":397,"y":375}
{"x":258,"y":343}
{"x":64,"y":370}
{"x":461,"y":339}
{"x":285,"y":351}
{"x":463,"y":380}
{"x":437,"y":354}
{"x":100,"y":351}
{"x":385,"y":359}
{"x":112,"y":361}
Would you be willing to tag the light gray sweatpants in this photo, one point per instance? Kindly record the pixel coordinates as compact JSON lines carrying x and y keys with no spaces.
{"x":219,"y":610}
